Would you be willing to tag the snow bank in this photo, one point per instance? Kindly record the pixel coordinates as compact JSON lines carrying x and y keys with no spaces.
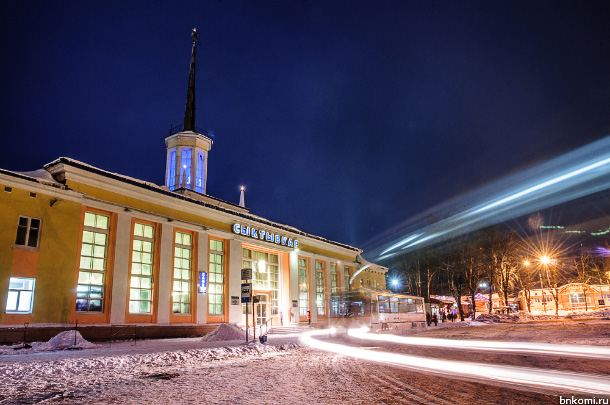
{"x":601,"y":313}
{"x":225,"y":332}
{"x":70,"y":339}
{"x":526,"y":316}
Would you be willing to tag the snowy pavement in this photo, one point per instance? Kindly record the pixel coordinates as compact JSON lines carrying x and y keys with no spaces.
{"x":230,"y":372}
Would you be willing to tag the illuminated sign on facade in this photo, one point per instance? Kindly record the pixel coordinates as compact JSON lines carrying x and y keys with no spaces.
{"x":203,"y":282}
{"x":266,"y":236}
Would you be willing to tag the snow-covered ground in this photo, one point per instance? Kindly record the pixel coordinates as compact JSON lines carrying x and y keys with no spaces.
{"x":232,"y":372}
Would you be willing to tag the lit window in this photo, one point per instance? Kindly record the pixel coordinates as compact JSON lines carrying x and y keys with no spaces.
{"x":347,"y":277}
{"x":181,"y":291}
{"x":333,"y":278}
{"x":92,"y":264}
{"x":185,"y":170}
{"x":217,"y":278}
{"x":303,"y":284}
{"x":141,"y":284}
{"x":265,"y":273}
{"x":200,"y":167}
{"x":28,"y":232}
{"x":320,"y":301}
{"x":20,"y":295}
{"x":171,"y":170}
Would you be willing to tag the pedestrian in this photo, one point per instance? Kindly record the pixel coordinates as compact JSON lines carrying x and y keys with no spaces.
{"x":428,"y":318}
{"x":309,"y":317}
{"x":281,"y":318}
{"x":435,"y":320}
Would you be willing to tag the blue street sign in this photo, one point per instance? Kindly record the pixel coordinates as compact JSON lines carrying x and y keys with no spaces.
{"x":203,"y":282}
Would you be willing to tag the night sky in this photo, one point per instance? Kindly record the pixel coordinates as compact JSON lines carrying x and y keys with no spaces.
{"x":341,"y":118}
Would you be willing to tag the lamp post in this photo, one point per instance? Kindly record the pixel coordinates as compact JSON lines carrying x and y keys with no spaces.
{"x":545,"y":260}
{"x":484,"y":285}
{"x":526,"y":289}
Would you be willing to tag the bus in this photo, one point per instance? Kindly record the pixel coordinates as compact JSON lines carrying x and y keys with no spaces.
{"x":378,"y":310}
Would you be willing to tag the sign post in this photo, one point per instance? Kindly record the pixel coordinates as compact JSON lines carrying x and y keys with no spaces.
{"x":246,"y":297}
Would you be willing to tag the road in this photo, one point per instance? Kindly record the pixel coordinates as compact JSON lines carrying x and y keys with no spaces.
{"x":190,"y":371}
{"x":388,"y":352}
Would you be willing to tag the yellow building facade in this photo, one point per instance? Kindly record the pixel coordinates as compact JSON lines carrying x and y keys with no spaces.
{"x":81,"y":244}
{"x":78,"y":243}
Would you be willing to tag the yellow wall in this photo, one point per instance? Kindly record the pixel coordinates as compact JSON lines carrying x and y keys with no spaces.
{"x":369,"y":275}
{"x":147,"y":206}
{"x":56,"y":261}
{"x":180,"y":215}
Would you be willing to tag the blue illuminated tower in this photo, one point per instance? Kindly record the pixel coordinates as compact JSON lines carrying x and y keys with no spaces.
{"x":188,"y":146}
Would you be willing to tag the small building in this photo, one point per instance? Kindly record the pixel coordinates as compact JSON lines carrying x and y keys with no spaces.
{"x":571,"y":297}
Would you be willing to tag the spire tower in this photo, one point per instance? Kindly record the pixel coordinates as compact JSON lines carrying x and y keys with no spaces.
{"x":189,"y":112}
{"x":187,"y":149}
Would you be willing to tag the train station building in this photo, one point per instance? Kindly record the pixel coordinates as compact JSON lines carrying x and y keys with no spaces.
{"x":79,"y":243}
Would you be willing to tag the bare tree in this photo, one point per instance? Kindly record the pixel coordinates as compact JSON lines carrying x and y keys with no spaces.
{"x":582,"y":265}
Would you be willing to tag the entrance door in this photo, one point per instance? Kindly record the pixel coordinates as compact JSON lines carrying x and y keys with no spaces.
{"x":262,"y":309}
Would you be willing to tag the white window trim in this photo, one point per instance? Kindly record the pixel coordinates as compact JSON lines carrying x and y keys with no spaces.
{"x":29,"y":311}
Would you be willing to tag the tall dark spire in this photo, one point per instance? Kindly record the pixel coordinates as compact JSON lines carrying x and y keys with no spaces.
{"x":189,"y":113}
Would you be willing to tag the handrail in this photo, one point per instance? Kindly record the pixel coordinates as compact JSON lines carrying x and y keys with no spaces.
{"x":266,"y":327}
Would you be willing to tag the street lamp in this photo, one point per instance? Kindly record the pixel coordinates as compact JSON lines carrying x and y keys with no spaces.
{"x":545,"y":260}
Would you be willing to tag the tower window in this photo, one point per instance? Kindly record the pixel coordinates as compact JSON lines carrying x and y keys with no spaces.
{"x":185,"y":170}
{"x":200,"y":167}
{"x":171,"y":170}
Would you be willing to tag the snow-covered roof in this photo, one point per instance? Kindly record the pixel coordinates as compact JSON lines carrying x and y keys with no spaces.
{"x":38,"y":176}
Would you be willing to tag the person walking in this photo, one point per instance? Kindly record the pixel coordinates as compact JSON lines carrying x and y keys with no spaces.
{"x":309,"y":317}
{"x":281,"y":318}
{"x":435,"y":319}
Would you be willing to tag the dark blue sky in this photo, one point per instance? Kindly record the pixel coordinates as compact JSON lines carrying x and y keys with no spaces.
{"x":341,"y":118}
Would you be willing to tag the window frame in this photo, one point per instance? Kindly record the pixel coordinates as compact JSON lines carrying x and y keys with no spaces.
{"x":213,"y":317}
{"x":103,"y":272}
{"x":150,"y":317}
{"x":307,"y":291}
{"x":171,"y":169}
{"x":19,"y":291}
{"x":321,"y":284}
{"x":104,"y":316}
{"x":347,"y":274}
{"x":191,"y":316}
{"x":28,"y":230}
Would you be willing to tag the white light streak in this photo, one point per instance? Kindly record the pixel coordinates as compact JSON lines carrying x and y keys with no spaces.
{"x":573,"y":175}
{"x":402,"y":242}
{"x":598,"y":352}
{"x":523,"y":376}
{"x":545,"y":184}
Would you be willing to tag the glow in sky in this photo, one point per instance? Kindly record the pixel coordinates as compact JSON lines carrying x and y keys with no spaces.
{"x":576,"y":174}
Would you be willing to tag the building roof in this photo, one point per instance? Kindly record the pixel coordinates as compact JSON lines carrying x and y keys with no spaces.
{"x":226,"y":207}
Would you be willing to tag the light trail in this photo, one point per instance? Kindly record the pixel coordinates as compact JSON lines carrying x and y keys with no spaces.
{"x":524,"y":376}
{"x":573,"y":175}
{"x":598,"y":352}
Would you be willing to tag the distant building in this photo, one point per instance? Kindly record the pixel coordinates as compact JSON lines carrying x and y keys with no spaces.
{"x":78,"y":243}
{"x":572,"y":297}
